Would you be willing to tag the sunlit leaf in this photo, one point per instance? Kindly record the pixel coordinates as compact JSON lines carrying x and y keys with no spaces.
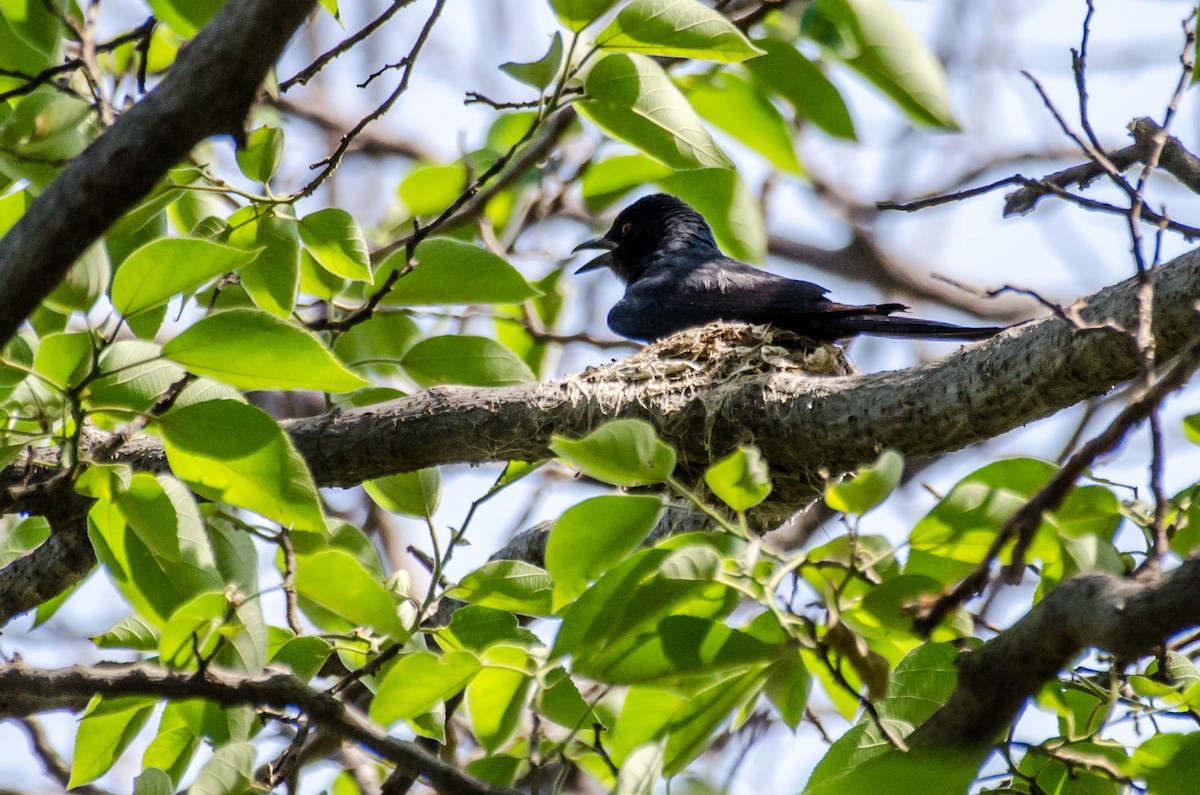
{"x":621,"y":452}
{"x":333,"y":238}
{"x":740,"y":479}
{"x":252,"y":349}
{"x":631,"y":98}
{"x":578,"y":14}
{"x":419,"y":681}
{"x":589,"y":538}
{"x":785,"y":71}
{"x":452,"y":272}
{"x":736,"y":106}
{"x":677,"y":28}
{"x":408,"y":493}
{"x":105,"y":731}
{"x":868,"y":487}
{"x":507,"y":585}
{"x":539,"y":73}
{"x":166,"y":267}
{"x":886,"y":51}
{"x":456,"y":359}
{"x":335,"y":580}
{"x":235,"y":452}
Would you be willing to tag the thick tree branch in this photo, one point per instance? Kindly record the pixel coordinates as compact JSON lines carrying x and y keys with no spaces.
{"x":208,"y":91}
{"x":26,"y":690}
{"x":805,"y":425}
{"x":1126,"y":617}
{"x":64,"y":559}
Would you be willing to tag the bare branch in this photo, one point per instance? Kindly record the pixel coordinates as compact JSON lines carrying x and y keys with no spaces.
{"x":25,"y":690}
{"x":1126,"y":617}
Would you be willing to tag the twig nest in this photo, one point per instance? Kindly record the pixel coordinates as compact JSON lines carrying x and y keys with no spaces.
{"x":719,"y":352}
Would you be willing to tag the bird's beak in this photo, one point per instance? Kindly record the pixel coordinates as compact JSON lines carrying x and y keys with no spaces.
{"x":602,"y":261}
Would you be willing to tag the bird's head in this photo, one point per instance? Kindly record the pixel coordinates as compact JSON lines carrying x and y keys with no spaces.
{"x":648,"y":228}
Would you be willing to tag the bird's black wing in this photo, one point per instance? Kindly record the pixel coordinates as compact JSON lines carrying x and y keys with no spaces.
{"x":680,"y":293}
{"x":676,"y":295}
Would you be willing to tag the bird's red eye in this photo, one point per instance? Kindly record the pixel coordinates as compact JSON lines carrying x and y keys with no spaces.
{"x":625,"y":228}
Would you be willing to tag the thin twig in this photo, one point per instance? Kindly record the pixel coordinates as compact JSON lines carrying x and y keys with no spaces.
{"x":289,"y":581}
{"x":330,"y":164}
{"x":309,"y":72}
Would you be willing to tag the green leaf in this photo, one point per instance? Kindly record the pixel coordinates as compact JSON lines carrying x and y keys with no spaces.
{"x":786,"y":72}
{"x":130,"y":632}
{"x":35,"y":23}
{"x":787,"y":686}
{"x":591,"y":537}
{"x":641,"y":770}
{"x":251,"y":349}
{"x":418,"y":682}
{"x":578,"y":14}
{"x":703,"y":713}
{"x":730,"y":207}
{"x":676,"y":28}
{"x":916,"y":772}
{"x":166,"y":267}
{"x":272,"y":280}
{"x":430,"y":189}
{"x":23,"y":537}
{"x":476,"y":628}
{"x":105,"y":731}
{"x":631,"y":98}
{"x":153,"y":781}
{"x":376,"y":346}
{"x":507,"y":585}
{"x":921,"y":683}
{"x":627,"y":603}
{"x":539,"y":73}
{"x":19,"y":54}
{"x":1170,"y":763}
{"x":333,"y":238}
{"x":736,"y":106}
{"x":457,"y":359}
{"x":887,"y":52}
{"x":236,"y":453}
{"x":608,"y":180}
{"x":228,"y":772}
{"x":84,"y":283}
{"x":133,"y":376}
{"x":64,"y":359}
{"x":259,"y":158}
{"x":741,"y":479}
{"x":452,"y":272}
{"x":185,"y":17}
{"x":497,"y":695}
{"x":193,"y":628}
{"x":176,"y":743}
{"x":163,"y":515}
{"x":681,"y":650}
{"x":953,"y":537}
{"x":1191,"y":428}
{"x":408,"y":493}
{"x":561,"y":702}
{"x":338,"y":582}
{"x":868,"y":487}
{"x":304,"y":655}
{"x":620,"y":452}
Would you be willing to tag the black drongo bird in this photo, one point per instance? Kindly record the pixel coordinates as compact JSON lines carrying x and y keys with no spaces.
{"x":677,"y":278}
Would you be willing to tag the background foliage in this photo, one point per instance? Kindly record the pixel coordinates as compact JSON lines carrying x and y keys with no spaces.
{"x":249,"y":287}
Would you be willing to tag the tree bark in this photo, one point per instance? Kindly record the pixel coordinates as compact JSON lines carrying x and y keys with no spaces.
{"x":208,"y":91}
